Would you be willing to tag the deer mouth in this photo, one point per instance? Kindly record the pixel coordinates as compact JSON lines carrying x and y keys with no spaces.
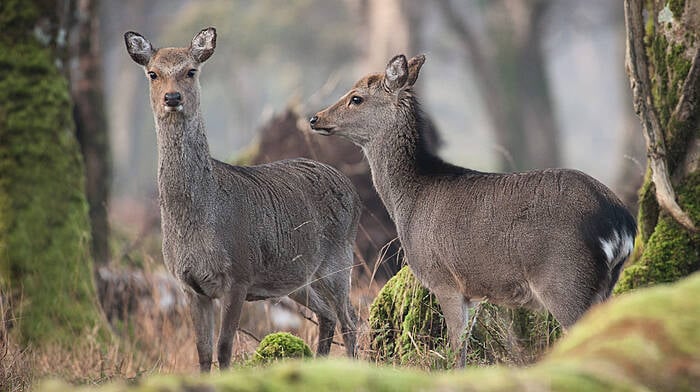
{"x":169,"y":108}
{"x":323,"y":130}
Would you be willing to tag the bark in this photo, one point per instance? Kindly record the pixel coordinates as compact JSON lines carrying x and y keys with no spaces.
{"x":91,"y":121}
{"x":45,"y":264}
{"x":512,"y":80}
{"x":663,"y":63}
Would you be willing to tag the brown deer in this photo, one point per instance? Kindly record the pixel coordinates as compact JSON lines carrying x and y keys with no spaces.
{"x":553,"y":239}
{"x":244,"y":233}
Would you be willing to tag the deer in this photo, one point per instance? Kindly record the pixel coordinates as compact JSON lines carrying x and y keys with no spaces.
{"x":243,"y":233}
{"x":552,"y":239}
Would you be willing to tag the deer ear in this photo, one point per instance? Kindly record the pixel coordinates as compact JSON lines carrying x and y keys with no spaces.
{"x":396,"y":73}
{"x":138,"y":47}
{"x":203,"y":44}
{"x":414,"y":66}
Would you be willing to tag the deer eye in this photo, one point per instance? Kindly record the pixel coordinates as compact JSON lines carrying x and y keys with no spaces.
{"x":190,"y":73}
{"x":356,"y":100}
{"x":152,"y":75}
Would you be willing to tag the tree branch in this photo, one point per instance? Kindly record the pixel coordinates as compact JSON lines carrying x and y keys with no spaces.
{"x":636,"y":64}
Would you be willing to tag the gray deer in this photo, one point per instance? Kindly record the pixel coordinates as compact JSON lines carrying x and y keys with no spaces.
{"x":553,"y":239}
{"x":244,"y":233}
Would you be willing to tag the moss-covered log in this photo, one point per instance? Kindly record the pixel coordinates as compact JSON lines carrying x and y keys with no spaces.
{"x":647,"y":340}
{"x":44,"y":230}
{"x":666,"y":250}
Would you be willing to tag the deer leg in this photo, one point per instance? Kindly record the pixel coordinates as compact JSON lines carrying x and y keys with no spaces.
{"x":348,"y":327}
{"x":231,"y":314}
{"x":324,"y":313}
{"x":202,"y":313}
{"x":455,"y":309}
{"x":472,"y":314}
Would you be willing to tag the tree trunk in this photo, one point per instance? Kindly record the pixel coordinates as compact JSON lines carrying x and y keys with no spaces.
{"x":45,"y":262}
{"x":512,"y":80}
{"x":91,"y":120}
{"x":663,"y":63}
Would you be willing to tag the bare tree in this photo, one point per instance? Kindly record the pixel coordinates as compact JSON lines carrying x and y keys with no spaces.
{"x":90,"y":119}
{"x":511,"y":78}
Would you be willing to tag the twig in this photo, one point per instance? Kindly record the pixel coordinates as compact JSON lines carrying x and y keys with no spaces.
{"x":635,"y":59}
{"x":381,"y":258}
{"x":252,"y":335}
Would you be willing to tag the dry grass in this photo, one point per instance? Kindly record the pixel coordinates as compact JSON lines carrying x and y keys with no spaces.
{"x":15,"y":374}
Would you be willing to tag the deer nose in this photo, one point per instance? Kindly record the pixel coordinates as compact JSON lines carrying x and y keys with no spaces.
{"x":173,"y":99}
{"x":313,"y":120}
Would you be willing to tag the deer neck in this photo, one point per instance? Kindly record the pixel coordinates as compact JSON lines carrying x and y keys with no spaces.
{"x":393,"y":160}
{"x":185,"y":179}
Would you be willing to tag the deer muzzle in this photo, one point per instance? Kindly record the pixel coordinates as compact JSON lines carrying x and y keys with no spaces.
{"x":173,"y":102}
{"x":318,"y":125}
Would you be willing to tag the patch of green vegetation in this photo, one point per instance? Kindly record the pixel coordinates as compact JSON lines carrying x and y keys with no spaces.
{"x":44,"y":223}
{"x":280,"y":345}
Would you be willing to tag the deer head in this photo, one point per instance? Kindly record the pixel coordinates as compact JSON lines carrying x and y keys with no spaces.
{"x":376,"y":103}
{"x":173,"y":72}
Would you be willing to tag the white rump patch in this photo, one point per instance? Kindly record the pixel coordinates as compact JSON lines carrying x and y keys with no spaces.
{"x":616,"y":247}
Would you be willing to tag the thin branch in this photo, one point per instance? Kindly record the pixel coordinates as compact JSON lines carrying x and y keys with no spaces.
{"x":639,"y":82}
{"x":246,"y":332}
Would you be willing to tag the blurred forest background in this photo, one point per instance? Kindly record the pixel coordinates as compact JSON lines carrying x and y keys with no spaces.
{"x":509,"y":85}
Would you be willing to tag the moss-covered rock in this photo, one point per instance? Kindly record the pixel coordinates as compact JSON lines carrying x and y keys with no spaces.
{"x":280,"y":345}
{"x":407,"y":328}
{"x":646,"y":340}
{"x":44,"y":228}
{"x":406,"y":324}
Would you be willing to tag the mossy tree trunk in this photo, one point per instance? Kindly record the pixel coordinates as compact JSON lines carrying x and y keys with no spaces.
{"x":664,"y":68}
{"x":45,"y":263}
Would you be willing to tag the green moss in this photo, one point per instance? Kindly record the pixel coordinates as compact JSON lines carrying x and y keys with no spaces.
{"x":15,"y":14}
{"x":648,"y":208}
{"x":671,"y":251}
{"x":689,"y":196}
{"x":677,"y":7}
{"x":640,"y":341}
{"x":43,"y":223}
{"x":406,"y":325}
{"x":670,"y":66}
{"x":280,"y":345}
